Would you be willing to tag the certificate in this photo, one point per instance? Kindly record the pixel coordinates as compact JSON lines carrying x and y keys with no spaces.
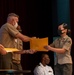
{"x":38,"y":44}
{"x":11,"y":49}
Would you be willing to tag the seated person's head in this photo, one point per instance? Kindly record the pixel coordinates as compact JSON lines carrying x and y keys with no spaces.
{"x":45,"y":59}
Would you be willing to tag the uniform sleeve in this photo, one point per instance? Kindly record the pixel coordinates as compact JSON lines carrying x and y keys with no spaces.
{"x":54,"y":42}
{"x":12,"y":30}
{"x":52,"y":45}
{"x":38,"y":71}
{"x":67,"y":45}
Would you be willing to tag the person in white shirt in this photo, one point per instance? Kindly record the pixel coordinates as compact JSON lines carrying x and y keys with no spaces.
{"x":43,"y":68}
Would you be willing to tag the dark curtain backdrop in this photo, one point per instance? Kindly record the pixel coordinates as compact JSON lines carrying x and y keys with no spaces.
{"x":35,"y":19}
{"x":72,"y":28}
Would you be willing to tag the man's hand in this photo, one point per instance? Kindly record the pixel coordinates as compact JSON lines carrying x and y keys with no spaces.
{"x":2,"y":51}
{"x":32,"y":51}
{"x":26,"y":52}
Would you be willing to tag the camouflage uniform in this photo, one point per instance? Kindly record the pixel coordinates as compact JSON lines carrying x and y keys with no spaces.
{"x":7,"y":39}
{"x":16,"y":58}
{"x":63,"y":60}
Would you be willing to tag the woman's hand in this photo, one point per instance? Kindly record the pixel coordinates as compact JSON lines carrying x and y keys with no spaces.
{"x":48,"y":47}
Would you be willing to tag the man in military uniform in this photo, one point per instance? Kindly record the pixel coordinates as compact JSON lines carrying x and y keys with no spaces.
{"x":43,"y":68}
{"x":16,"y":56}
{"x":8,"y":34}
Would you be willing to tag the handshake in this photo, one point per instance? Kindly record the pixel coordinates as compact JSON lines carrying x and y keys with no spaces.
{"x":36,"y":44}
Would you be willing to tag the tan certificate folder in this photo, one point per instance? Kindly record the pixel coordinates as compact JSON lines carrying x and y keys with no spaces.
{"x":11,"y":49}
{"x":38,"y":44}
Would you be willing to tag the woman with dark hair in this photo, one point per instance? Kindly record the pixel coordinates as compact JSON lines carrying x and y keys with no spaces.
{"x":62,"y":47}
